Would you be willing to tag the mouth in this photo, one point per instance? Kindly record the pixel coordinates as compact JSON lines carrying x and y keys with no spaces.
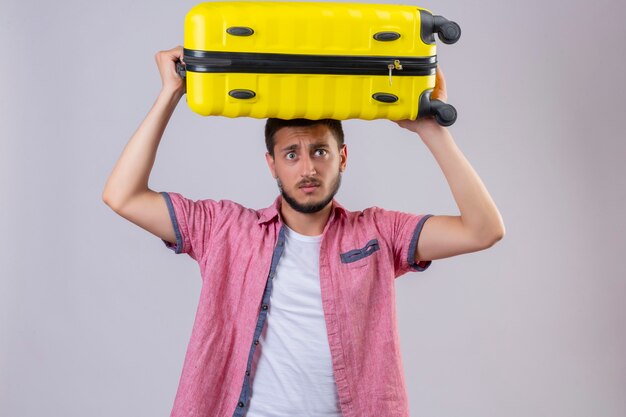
{"x":309,"y":188}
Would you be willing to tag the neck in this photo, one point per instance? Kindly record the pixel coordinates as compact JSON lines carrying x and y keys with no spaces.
{"x":308,"y":224}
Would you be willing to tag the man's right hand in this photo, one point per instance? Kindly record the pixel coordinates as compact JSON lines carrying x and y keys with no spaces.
{"x":166,"y":61}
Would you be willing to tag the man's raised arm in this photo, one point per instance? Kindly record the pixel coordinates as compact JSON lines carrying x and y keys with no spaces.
{"x":126,"y":190}
{"x":480,"y":224}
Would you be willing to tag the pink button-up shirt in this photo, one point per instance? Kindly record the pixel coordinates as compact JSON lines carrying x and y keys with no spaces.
{"x":238,"y":249}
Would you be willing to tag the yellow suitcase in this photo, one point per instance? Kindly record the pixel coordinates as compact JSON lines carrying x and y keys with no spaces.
{"x":314,"y":60}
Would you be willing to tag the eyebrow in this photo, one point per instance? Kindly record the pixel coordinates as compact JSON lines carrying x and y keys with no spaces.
{"x":313,"y":145}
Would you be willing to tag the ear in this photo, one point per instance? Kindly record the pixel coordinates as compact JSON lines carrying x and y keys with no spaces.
{"x":270,"y":163}
{"x":343,"y":156}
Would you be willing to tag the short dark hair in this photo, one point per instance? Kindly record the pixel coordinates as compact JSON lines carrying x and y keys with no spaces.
{"x":273,"y":125}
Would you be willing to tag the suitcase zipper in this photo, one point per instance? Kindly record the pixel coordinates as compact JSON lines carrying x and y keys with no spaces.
{"x":396,"y":65}
{"x":206,"y":61}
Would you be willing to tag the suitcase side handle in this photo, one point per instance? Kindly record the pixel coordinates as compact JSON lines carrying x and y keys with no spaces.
{"x":182,"y":73}
{"x":180,"y":70}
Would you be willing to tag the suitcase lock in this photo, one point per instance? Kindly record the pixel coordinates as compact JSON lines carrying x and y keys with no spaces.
{"x":396,"y":65}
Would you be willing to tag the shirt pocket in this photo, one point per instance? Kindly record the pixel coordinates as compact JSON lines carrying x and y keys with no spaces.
{"x":360,"y":257}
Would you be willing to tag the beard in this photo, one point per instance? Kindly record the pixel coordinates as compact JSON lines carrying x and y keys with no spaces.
{"x":313,"y":207}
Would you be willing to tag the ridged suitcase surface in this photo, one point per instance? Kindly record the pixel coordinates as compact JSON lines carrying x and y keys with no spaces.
{"x":314,"y":60}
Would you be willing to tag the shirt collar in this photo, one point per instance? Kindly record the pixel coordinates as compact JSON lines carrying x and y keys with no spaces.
{"x":272,"y":212}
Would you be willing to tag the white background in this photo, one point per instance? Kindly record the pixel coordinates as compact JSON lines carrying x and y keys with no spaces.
{"x":95,"y":313}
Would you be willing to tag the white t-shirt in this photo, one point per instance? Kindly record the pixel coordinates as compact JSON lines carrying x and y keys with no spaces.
{"x":291,"y":371}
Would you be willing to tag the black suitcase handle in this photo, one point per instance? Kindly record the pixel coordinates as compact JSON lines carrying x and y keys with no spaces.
{"x":180,"y":70}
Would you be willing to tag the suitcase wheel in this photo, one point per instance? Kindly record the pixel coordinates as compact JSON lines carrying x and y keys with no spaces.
{"x":445,"y":114}
{"x":239,"y":31}
{"x":449,"y":32}
{"x":242,"y":94}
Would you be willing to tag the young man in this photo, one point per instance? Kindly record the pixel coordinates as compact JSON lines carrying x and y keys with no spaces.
{"x":297,"y":311}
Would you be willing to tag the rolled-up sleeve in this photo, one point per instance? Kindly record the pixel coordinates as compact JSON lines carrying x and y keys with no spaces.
{"x":403,"y":232}
{"x":192,"y":221}
{"x":420,"y":265}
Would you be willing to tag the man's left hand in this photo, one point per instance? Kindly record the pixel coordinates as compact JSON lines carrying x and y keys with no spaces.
{"x":424,"y":123}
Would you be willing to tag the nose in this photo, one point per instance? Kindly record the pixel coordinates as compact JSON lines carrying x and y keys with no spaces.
{"x":308,"y":166}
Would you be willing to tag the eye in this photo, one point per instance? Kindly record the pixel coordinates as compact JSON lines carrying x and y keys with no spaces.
{"x":320,"y":152}
{"x":291,"y":155}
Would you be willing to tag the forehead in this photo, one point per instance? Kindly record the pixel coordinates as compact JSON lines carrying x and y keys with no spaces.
{"x":318,"y":134}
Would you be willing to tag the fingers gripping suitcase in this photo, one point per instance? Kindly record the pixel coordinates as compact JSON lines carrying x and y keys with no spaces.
{"x":314,"y":60}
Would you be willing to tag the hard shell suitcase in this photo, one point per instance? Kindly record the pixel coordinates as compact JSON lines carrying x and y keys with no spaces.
{"x":314,"y":60}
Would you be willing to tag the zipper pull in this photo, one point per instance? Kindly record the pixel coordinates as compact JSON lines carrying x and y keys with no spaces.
{"x":396,"y":65}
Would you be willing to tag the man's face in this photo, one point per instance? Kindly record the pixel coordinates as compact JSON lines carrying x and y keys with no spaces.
{"x":307,"y":165}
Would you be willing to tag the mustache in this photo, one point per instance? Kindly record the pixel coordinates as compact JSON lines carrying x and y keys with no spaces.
{"x":308,"y":182}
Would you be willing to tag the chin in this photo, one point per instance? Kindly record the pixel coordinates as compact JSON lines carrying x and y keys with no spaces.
{"x":311,"y":203}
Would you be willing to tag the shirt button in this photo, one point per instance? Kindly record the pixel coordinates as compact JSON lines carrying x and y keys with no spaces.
{"x":280,"y":243}
{"x":241,"y":404}
{"x":264,"y":307}
{"x":256,"y":342}
{"x":248,"y":373}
